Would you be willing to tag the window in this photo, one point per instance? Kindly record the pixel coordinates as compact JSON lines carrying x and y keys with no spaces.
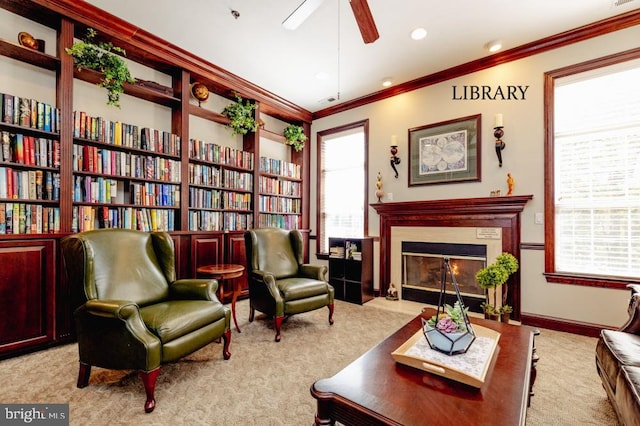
{"x":593,"y":173}
{"x":342,"y":184}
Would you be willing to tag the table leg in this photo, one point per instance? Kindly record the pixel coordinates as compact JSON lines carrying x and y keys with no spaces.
{"x":534,"y":361}
{"x":234,"y":298}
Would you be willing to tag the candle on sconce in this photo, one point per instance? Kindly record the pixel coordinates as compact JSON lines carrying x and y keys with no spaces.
{"x":498,"y":121}
{"x":394,"y":140}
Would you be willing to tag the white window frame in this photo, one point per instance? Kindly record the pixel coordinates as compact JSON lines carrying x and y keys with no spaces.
{"x":555,"y":270}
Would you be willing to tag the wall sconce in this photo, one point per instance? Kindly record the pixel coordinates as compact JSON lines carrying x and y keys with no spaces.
{"x":498,"y":133}
{"x":395,"y":160}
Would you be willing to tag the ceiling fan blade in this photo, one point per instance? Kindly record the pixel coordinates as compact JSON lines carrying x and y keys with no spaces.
{"x":365,"y":21}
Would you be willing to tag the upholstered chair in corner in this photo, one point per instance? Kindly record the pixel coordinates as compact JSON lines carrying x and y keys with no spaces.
{"x":280,"y":285}
{"x":134,"y":313}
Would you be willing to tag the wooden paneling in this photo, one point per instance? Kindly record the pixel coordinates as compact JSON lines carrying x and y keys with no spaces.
{"x":206,"y":249}
{"x":236,"y":254}
{"x":27,"y":299}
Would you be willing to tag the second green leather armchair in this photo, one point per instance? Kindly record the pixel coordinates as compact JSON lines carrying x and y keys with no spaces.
{"x":280,"y":285}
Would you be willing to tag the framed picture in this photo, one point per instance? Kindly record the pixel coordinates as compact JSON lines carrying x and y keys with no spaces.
{"x":445,"y":152}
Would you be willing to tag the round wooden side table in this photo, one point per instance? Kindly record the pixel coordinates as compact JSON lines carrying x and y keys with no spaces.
{"x":222,"y":272}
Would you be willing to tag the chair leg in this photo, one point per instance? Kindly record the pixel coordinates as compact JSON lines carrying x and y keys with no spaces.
{"x":252,"y":313}
{"x":149,"y":379}
{"x":330,"y":306}
{"x":227,"y":340}
{"x":83,"y":375}
{"x":278,"y":323}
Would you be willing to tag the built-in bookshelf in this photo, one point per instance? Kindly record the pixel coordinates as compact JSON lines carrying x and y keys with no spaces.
{"x":129,"y":175}
{"x":29,"y":166}
{"x":220,"y":187}
{"x":280,"y":186}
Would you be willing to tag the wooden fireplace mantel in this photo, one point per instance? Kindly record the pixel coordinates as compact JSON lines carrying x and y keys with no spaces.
{"x":488,"y":212}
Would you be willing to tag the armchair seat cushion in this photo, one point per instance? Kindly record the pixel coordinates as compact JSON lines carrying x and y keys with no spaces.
{"x":172,"y":319}
{"x":301,"y":288}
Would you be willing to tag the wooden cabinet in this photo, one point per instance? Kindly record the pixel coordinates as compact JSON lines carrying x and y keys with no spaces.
{"x":351,"y":268}
{"x":27,"y":294}
{"x":72,"y":180}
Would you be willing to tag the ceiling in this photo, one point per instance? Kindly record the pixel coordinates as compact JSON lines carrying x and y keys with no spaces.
{"x":257,"y":48}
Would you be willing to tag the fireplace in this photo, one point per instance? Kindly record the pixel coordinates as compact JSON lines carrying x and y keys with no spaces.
{"x":491,"y":221}
{"x":422,"y":267}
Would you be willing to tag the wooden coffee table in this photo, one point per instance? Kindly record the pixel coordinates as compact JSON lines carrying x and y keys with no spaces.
{"x":375,"y":390}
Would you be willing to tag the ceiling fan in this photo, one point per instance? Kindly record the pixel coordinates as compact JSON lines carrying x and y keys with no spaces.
{"x":361,"y":12}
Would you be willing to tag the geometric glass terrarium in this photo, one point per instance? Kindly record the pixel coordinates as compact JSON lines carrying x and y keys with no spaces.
{"x":449,"y":331}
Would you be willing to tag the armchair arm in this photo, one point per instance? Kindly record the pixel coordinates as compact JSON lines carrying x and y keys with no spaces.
{"x":194,"y":289}
{"x":107,"y":329}
{"x":633,"y":323}
{"x":318,"y":272}
{"x":109,"y":308}
{"x":269,"y":281}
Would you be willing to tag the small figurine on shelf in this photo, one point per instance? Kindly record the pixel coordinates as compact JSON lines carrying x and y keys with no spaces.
{"x":379,"y":191}
{"x":510,"y":183}
{"x":392,"y":292}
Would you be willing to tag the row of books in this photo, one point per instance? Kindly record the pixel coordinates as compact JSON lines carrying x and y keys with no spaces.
{"x":279,"y":187}
{"x":117,"y":133}
{"x":201,"y":174}
{"x":90,"y":189}
{"x":19,"y":218}
{"x":208,"y":151}
{"x":29,"y":150}
{"x":203,"y":220}
{"x":280,"y":167}
{"x":86,"y":218}
{"x":271,"y":204}
{"x":31,"y":113}
{"x":155,"y":194}
{"x":336,"y":252}
{"x":29,"y":184}
{"x":279,"y":221}
{"x":116,"y":163}
{"x":213,"y":199}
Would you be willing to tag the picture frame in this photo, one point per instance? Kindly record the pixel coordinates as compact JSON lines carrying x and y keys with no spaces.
{"x":445,"y":152}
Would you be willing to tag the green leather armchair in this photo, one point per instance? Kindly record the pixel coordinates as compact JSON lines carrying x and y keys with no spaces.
{"x":134,"y":314}
{"x":280,"y":285}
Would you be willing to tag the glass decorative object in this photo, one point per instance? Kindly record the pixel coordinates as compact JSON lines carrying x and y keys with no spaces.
{"x":449,"y":331}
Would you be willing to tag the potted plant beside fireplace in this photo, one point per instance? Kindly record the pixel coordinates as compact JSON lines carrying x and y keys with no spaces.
{"x":492,"y":277}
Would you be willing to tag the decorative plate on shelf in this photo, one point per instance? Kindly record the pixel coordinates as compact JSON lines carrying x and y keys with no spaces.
{"x":200,"y":92}
{"x":27,"y":40}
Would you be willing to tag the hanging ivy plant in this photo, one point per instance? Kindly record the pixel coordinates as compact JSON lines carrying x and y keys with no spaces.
{"x":101,"y":57}
{"x":241,"y":115}
{"x":295,"y":136}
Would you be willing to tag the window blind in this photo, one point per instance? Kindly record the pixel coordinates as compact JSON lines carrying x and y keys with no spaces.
{"x":342,"y":186}
{"x":597,"y":172}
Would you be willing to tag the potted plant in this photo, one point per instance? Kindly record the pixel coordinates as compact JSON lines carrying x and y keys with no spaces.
{"x":492,"y":277}
{"x":241,"y":115}
{"x":99,"y":57}
{"x":295,"y":136}
{"x":450,"y":332}
{"x":505,"y":313}
{"x":489,"y":311}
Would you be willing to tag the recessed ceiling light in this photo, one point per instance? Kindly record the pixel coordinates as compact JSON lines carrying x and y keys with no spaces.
{"x":386,"y":82}
{"x":418,"y":34}
{"x":494,"y":46}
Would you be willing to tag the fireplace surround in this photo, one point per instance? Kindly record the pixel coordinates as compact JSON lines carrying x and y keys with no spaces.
{"x":494,"y":219}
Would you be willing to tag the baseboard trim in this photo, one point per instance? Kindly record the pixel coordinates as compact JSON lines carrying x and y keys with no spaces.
{"x":575,"y":327}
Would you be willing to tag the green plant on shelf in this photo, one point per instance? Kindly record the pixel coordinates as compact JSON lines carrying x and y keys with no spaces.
{"x":101,"y":57}
{"x":294,"y":135}
{"x":241,"y":115}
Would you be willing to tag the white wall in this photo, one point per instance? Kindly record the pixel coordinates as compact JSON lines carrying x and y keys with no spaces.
{"x":523,"y":158}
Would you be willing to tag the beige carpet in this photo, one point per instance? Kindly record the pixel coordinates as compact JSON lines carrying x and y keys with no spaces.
{"x":265,"y":383}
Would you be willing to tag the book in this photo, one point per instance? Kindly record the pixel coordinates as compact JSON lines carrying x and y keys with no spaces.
{"x":7,"y":108}
{"x":5,"y":145}
{"x":25,"y":112}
